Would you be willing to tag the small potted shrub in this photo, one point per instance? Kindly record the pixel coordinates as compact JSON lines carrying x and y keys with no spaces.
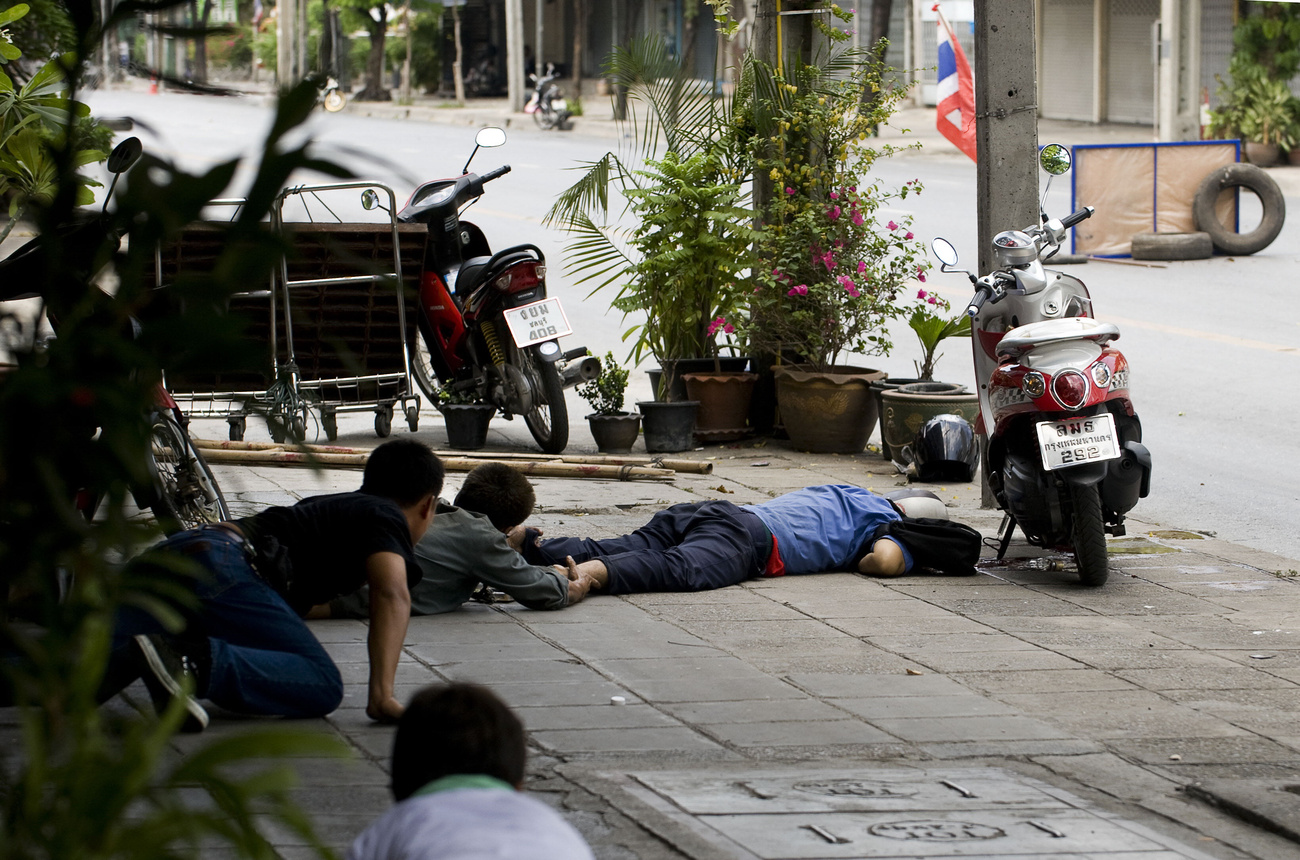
{"x":467,"y":419}
{"x":613,"y":429}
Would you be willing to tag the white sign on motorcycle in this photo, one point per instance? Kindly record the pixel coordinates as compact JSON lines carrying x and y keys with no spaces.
{"x":539,"y":321}
{"x":1075,"y":441}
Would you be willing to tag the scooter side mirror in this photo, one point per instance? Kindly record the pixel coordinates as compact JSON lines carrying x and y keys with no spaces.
{"x":490,"y":137}
{"x":944,"y":252}
{"x":124,"y":155}
{"x":1055,"y":159}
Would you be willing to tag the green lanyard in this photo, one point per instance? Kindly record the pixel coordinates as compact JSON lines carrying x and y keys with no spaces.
{"x":464,"y":780}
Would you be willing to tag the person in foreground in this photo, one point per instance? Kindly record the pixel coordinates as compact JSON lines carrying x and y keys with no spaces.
{"x":703,"y":545}
{"x":467,"y":545}
{"x":457,"y":777}
{"x":245,"y":646}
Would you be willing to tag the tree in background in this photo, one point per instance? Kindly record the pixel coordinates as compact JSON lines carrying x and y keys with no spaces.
{"x":364,"y":14}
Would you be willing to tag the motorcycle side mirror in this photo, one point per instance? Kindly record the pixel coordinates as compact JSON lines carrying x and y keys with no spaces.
{"x":944,"y":252}
{"x":1055,"y":159}
{"x":124,"y":155}
{"x":487,"y":137}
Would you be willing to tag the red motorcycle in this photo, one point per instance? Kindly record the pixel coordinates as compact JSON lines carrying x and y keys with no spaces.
{"x":487,"y":330}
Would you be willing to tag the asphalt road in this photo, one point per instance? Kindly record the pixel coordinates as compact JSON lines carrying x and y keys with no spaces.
{"x":1213,"y":344}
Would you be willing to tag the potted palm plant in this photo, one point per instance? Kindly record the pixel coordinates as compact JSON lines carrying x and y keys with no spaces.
{"x":614,"y":430}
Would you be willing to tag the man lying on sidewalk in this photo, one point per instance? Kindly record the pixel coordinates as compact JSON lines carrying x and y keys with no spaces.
{"x":703,"y":545}
{"x":467,"y":546}
{"x":245,"y":646}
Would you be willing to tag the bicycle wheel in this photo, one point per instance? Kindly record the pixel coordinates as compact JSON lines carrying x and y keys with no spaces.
{"x":186,"y":492}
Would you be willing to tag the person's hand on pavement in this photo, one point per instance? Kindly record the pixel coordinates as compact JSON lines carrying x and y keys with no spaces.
{"x":516,"y":536}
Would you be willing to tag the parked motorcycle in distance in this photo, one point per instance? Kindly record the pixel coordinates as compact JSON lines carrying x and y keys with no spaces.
{"x":547,"y":105}
{"x":182,"y":491}
{"x":1065,"y":457}
{"x":486,"y":326}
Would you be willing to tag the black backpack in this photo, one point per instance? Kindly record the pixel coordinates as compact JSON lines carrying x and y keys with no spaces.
{"x":943,"y":545}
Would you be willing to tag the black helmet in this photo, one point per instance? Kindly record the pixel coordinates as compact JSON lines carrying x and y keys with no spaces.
{"x":944,"y":450}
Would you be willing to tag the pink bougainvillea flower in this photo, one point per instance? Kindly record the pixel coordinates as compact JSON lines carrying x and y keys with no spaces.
{"x":789,"y":190}
{"x":920,"y":274}
{"x":849,"y":287}
{"x":828,"y":260}
{"x":839,"y":244}
{"x":800,"y":290}
{"x":908,"y":235}
{"x":858,"y":220}
{"x":853,"y":189}
{"x":833,"y":213}
{"x":862,"y":267}
{"x":934,"y":300}
{"x":720,"y":323}
{"x":892,"y":225}
{"x":835,"y":195}
{"x":921,"y":294}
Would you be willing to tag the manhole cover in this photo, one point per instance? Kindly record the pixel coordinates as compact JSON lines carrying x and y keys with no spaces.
{"x":854,"y":788}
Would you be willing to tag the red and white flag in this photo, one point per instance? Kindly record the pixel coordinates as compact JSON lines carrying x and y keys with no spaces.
{"x":956,"y":92}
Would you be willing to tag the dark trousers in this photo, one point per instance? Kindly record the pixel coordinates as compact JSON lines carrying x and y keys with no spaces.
{"x":264,"y":659}
{"x":688,"y":547}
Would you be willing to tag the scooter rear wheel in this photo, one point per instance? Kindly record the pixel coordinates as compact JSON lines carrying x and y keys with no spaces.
{"x":1089,"y":536}
{"x":186,"y":494}
{"x":548,"y":419}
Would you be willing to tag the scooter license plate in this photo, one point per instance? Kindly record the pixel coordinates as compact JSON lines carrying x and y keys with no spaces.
{"x":532,"y":324}
{"x":1076,"y":441}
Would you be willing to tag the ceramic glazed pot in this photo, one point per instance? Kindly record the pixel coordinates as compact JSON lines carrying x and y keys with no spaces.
{"x":467,"y":424}
{"x":878,"y":388}
{"x":1261,"y":154}
{"x":669,"y":426}
{"x":614,"y":434}
{"x":908,"y":407}
{"x":830,"y":412}
{"x":724,"y":404}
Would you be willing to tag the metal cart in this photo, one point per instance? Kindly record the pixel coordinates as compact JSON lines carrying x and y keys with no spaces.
{"x":332,"y":322}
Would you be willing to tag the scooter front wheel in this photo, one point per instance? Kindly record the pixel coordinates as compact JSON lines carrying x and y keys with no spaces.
{"x":1089,"y":536}
{"x":422,"y":367}
{"x":545,"y":118}
{"x":334,"y":101}
{"x":186,"y":494}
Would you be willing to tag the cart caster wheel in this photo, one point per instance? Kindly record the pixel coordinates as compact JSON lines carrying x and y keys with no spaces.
{"x":330,"y":423}
{"x":298,"y":429}
{"x":275,"y":426}
{"x":237,"y":427}
{"x":383,"y":423}
{"x":413,"y":418}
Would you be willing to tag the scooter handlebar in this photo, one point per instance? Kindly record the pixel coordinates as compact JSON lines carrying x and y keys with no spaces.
{"x":494,"y":174}
{"x":1076,"y":217}
{"x":981,"y":296}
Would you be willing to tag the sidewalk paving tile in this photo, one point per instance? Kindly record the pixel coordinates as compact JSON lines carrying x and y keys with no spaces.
{"x":522,"y":671}
{"x":828,"y":686}
{"x":1205,"y":677}
{"x":771,"y":710}
{"x":667,"y":739}
{"x":805,"y":733}
{"x":965,"y":729}
{"x":441,"y":654}
{"x":1123,"y":714}
{"x":1044,"y":681}
{"x":521,"y":695}
{"x":941,"y":660}
{"x":705,"y":688}
{"x":899,"y":707}
{"x":1180,"y":656}
{"x":923,"y":640}
{"x":600,"y":716}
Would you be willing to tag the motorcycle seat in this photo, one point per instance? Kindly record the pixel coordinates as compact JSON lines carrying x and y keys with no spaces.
{"x":1022,"y":339}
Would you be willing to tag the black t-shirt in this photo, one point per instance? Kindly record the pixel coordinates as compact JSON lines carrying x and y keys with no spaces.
{"x":329,"y":538}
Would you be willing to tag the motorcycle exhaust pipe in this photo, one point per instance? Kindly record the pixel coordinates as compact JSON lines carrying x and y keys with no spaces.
{"x":579,"y":372}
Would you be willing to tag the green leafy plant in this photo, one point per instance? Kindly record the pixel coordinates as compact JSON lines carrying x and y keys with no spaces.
{"x":831,"y":272}
{"x":932,"y":326}
{"x":92,"y":782}
{"x":686,"y":260}
{"x":1255,"y":104}
{"x":452,"y":396}
{"x":605,"y":393}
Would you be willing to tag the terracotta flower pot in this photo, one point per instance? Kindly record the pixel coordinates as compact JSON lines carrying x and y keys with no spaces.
{"x":830,"y":412}
{"x":1262,"y":154}
{"x":615,"y":434}
{"x":724,"y":404}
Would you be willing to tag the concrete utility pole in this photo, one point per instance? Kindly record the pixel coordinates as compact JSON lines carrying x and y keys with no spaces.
{"x":286,"y":42}
{"x":1179,"y":71}
{"x":515,"y":54}
{"x":1006,"y":120}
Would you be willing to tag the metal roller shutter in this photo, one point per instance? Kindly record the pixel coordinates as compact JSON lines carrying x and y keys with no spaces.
{"x":1066,"y":89}
{"x":1131,"y":70}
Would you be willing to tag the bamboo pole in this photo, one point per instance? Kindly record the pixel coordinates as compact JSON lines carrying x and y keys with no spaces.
{"x":696,"y":467}
{"x":541,"y":469}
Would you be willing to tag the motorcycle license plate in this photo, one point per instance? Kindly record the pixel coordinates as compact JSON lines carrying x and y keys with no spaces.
{"x":532,"y":324}
{"x":1076,"y":441}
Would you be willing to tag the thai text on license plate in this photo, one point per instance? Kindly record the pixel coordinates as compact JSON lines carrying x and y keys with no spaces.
{"x":1076,"y":441}
{"x":532,"y":324}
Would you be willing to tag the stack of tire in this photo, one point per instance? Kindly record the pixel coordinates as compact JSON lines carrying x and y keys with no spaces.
{"x":1213,"y":236}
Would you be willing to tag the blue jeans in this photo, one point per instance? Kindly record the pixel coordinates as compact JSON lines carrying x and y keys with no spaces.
{"x":688,"y":547}
{"x":264,"y":659}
